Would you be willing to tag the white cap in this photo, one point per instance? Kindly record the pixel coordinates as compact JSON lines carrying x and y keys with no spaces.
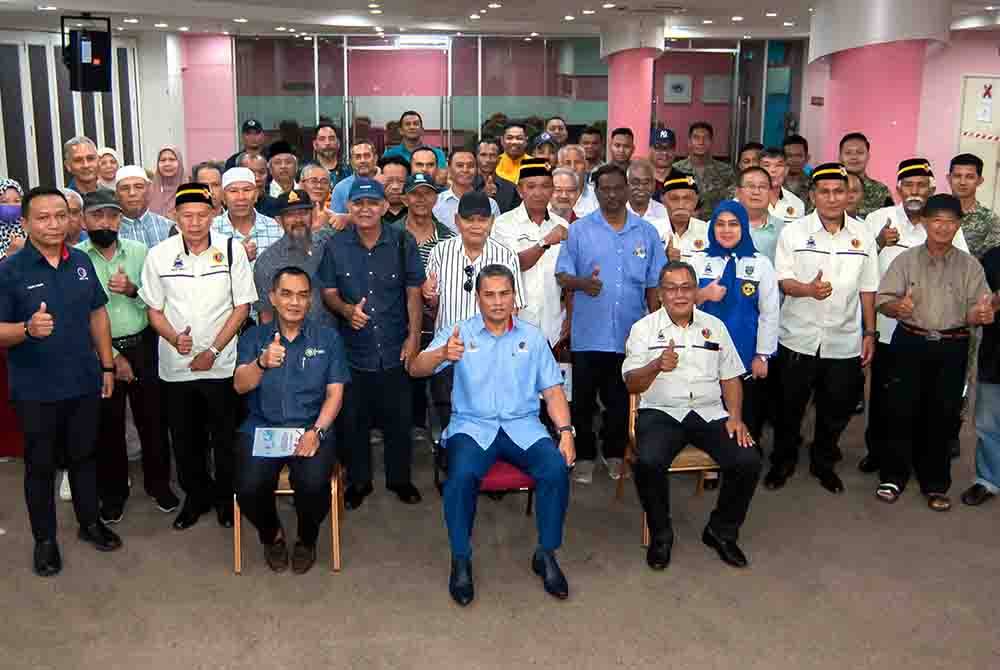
{"x":130,"y":171}
{"x":236,"y":175}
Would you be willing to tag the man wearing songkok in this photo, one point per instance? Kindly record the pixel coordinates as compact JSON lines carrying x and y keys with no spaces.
{"x":686,"y":235}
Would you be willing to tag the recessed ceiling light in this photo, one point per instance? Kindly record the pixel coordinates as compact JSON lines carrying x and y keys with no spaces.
{"x":307,"y":38}
{"x":119,"y":28}
{"x":494,"y":5}
{"x":788,"y":24}
{"x":130,"y":20}
{"x":569,"y":17}
{"x":737,"y":18}
{"x":527,"y":39}
{"x":608,"y":5}
{"x":183,"y":29}
{"x":378,"y":29}
{"x":240,"y":20}
{"x":374,"y":11}
{"x":708,"y":21}
{"x":160,"y":25}
{"x":281,"y":29}
{"x":373,"y":5}
{"x":588,"y":11}
{"x":810,"y":10}
{"x":79,"y":25}
{"x":482,"y":11}
{"x":747,"y":37}
{"x":225,"y":32}
{"x":770,"y":15}
{"x":534,"y":34}
{"x":458,"y":34}
{"x":47,"y":8}
{"x":473,"y":16}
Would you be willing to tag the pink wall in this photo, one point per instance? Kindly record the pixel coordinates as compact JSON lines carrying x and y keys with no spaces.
{"x":679,"y":116}
{"x":876,"y":90}
{"x":208,"y":78}
{"x":630,"y":75}
{"x":396,"y":73}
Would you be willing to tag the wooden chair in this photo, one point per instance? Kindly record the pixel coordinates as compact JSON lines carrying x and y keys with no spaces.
{"x":285,"y":489}
{"x":690,"y":459}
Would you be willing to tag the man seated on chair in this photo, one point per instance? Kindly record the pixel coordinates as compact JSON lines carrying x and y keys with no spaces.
{"x":676,"y":359}
{"x":501,"y":366}
{"x":294,"y":371}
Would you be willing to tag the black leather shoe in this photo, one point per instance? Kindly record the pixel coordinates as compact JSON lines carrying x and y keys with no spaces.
{"x":190,"y":513}
{"x":355,"y":495}
{"x":828,"y":479}
{"x":545,"y":566}
{"x":976,"y":494}
{"x":112,"y":511}
{"x":407,"y":492}
{"x":48,"y":562}
{"x":224,"y":513}
{"x":658,"y":554}
{"x":276,"y":554}
{"x":99,"y":535}
{"x":869,"y":464}
{"x":728,"y":550}
{"x":778,"y":475}
{"x":303,"y":557}
{"x":167,"y":502}
{"x":460,"y":584}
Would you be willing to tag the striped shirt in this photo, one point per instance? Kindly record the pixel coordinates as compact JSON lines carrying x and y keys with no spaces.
{"x":149,"y":229}
{"x":265,"y":231}
{"x":449,"y":261}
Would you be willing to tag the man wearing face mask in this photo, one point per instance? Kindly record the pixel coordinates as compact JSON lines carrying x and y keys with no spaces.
{"x":118,"y":263}
{"x":895,"y":230}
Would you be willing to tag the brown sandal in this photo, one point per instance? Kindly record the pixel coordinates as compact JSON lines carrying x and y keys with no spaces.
{"x":938,"y":502}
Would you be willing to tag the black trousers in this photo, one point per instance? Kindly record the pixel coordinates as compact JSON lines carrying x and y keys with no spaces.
{"x":924,"y":394}
{"x":877,"y":430}
{"x":660,"y":438}
{"x":378,"y":398}
{"x":59,"y":433}
{"x":144,"y":396}
{"x":834,"y":381}
{"x":755,"y":405}
{"x":310,"y":479}
{"x":599,"y":372}
{"x":202,"y":415}
{"x":441,"y":385}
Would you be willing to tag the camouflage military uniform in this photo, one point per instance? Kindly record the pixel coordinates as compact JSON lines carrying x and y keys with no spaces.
{"x":800,"y":187}
{"x":714,"y":184}
{"x":874,"y":198}
{"x":981,"y":228}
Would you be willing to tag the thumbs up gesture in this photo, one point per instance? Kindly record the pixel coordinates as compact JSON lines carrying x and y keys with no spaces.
{"x":358,"y":317}
{"x":184,"y":343}
{"x":982,"y":312}
{"x":714,"y":292}
{"x":120,"y":283}
{"x":593,"y":285}
{"x":669,"y":358}
{"x":673,"y":253}
{"x":41,"y":323}
{"x":455,"y":348}
{"x":888,"y":236}
{"x":490,"y":186}
{"x":905,"y":306}
{"x":820,"y":289}
{"x":274,"y":355}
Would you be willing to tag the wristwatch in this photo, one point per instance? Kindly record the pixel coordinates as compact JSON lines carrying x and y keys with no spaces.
{"x":320,"y":433}
{"x":567,"y":429}
{"x":543,"y":246}
{"x":215,"y":352}
{"x":107,"y":370}
{"x":871,"y":333}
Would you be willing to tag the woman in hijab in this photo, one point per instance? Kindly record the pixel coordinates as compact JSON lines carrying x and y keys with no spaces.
{"x":12,"y":235}
{"x":168,"y":175}
{"x":108,"y":163}
{"x":739,"y":286}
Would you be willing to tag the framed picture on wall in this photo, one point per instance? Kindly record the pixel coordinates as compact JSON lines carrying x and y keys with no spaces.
{"x":717,"y":89}
{"x":677,"y":89}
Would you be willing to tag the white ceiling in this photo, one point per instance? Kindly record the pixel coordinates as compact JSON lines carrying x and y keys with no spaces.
{"x":684,"y":18}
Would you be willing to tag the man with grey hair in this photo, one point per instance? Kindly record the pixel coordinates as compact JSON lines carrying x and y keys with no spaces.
{"x":565,"y":193}
{"x":210,"y":174}
{"x":572,"y":156}
{"x":74,"y":227}
{"x":315,"y":180}
{"x":641,"y":183}
{"x":80,"y":160}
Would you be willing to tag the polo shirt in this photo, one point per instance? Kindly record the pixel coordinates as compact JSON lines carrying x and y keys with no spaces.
{"x":706,"y":355}
{"x":510,"y":168}
{"x":338,"y":197}
{"x":788,"y":207}
{"x":264,"y":232}
{"x":149,"y":229}
{"x":128,"y":315}
{"x":910,"y":236}
{"x":404,"y":153}
{"x":283,"y":254}
{"x":63,"y":365}
{"x":382,"y":275}
{"x":197,"y":290}
{"x":765,"y":238}
{"x":630,"y":261}
{"x":828,"y":328}
{"x":389,"y":217}
{"x":291,"y":396}
{"x":498,"y":381}
{"x":542,"y":293}
{"x":506,"y":196}
{"x":447,"y":207}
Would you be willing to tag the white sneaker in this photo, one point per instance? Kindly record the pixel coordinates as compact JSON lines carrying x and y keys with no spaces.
{"x":615,"y":468}
{"x":583,"y":472}
{"x":65,"y":492}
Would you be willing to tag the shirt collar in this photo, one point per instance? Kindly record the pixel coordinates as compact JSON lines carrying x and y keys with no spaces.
{"x":478,"y":324}
{"x":307,"y":332}
{"x":356,"y":239}
{"x":31,"y":249}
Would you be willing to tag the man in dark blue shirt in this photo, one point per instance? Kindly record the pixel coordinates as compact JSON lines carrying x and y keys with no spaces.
{"x":58,"y":335}
{"x":371,"y":277}
{"x":294,"y":371}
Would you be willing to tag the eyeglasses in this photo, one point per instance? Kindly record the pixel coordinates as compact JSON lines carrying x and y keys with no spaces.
{"x":756,"y":187}
{"x":469,"y":270}
{"x":315,"y":181}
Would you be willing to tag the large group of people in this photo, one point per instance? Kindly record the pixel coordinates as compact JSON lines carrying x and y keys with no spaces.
{"x":271,"y":311}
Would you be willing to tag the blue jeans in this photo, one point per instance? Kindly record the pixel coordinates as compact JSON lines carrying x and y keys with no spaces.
{"x":468,"y":463}
{"x":988,"y":434}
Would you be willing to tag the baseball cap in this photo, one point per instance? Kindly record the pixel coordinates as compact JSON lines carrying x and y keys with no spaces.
{"x":292,"y":200}
{"x":474,"y":203}
{"x":365,"y":187}
{"x":419,"y":179}
{"x":544,"y":138}
{"x":663,"y":136}
{"x":102,"y":198}
{"x":252,"y":126}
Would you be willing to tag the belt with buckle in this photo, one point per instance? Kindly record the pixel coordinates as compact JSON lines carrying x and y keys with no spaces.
{"x":126,"y":341}
{"x":960,"y":333}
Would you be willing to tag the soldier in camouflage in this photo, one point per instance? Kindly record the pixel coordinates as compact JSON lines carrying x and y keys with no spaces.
{"x":714,"y":178}
{"x":796,"y":150}
{"x":855,"y":152}
{"x":980,"y":225}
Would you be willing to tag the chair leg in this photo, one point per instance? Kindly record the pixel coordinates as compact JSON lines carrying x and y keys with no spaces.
{"x":341,"y":475}
{"x":335,"y":501}
{"x":700,"y":486}
{"x":645,"y":530}
{"x":531,"y":498}
{"x":237,"y":539}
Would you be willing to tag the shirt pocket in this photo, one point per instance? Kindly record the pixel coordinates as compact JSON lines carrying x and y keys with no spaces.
{"x":637,"y":264}
{"x":349,"y":286}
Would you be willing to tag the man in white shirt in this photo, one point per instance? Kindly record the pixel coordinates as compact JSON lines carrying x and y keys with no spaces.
{"x":684,"y":365}
{"x":565,"y":193}
{"x":827,"y":266}
{"x":752,"y":187}
{"x":641,"y":184}
{"x":782,"y":203}
{"x":535,"y":235}
{"x":573,"y":157}
{"x":198,"y":288}
{"x":895,"y":230}
{"x":685,"y":235}
{"x":462,"y":175}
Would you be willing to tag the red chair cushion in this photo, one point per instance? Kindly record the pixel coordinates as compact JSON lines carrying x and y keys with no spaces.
{"x":505,"y":477}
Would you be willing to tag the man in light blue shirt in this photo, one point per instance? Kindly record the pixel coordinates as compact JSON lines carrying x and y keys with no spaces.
{"x":138,"y":223}
{"x":501,"y":366}
{"x":363,"y":162}
{"x":611,"y":262}
{"x":462,"y":170}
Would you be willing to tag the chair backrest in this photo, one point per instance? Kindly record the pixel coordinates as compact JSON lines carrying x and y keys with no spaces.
{"x":690,"y":459}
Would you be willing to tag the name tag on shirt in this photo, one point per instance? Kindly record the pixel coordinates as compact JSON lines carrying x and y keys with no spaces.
{"x":712,"y":346}
{"x":276,"y":442}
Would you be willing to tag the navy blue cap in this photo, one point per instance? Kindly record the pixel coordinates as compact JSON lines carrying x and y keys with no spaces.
{"x":365,"y":187}
{"x":474,"y":203}
{"x":292,"y":200}
{"x":544,"y":138}
{"x":663,"y":136}
{"x":252,"y":126}
{"x":418,"y":179}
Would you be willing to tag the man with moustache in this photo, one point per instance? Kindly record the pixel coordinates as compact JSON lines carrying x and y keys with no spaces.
{"x":686,"y":235}
{"x":565,"y":193}
{"x":622,"y":147}
{"x":462,"y":172}
{"x":326,"y":150}
{"x":796,"y":150}
{"x":515,"y":146}
{"x":592,"y":142}
{"x":641,"y":182}
{"x":714,"y":178}
{"x":855,"y":154}
{"x":283,"y":164}
{"x":138,"y":223}
{"x":241,"y":221}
